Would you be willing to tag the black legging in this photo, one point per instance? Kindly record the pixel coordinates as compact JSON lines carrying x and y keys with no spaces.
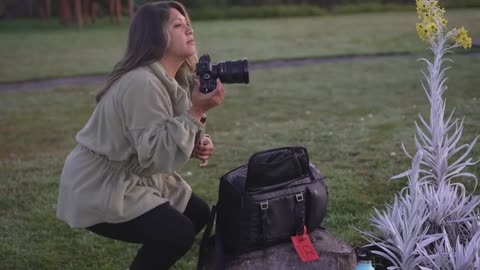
{"x":166,"y":234}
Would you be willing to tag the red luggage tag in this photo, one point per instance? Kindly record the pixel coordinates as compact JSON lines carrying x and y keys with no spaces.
{"x":304,"y":248}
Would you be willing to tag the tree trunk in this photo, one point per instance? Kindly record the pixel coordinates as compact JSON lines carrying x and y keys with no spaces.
{"x":78,"y":13}
{"x":118,"y":10}
{"x":86,"y":11}
{"x":115,"y":7}
{"x":94,"y":10}
{"x":111,"y":8}
{"x":30,"y":8}
{"x":130,"y":9}
{"x":64,"y":11}
{"x":42,"y":9}
{"x":48,"y":6}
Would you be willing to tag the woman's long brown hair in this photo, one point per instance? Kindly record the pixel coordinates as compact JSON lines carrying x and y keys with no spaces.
{"x":147,"y":40}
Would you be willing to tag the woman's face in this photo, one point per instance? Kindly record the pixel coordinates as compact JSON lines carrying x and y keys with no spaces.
{"x":181,"y":43}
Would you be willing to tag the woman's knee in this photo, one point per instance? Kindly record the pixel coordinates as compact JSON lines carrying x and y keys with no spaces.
{"x":163,"y":252}
{"x":185,"y":238}
{"x":178,"y":239}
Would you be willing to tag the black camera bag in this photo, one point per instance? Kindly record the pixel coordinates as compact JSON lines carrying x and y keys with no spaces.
{"x":267,"y":200}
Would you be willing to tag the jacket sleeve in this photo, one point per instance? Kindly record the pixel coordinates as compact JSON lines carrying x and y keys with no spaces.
{"x":162,"y":142}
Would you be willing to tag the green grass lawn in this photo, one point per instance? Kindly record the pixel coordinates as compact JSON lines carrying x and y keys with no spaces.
{"x":351,"y":116}
{"x":30,"y":50}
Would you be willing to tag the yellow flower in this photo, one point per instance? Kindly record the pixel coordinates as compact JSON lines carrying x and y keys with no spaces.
{"x":462,"y":38}
{"x":468,"y":43}
{"x":427,"y":30}
{"x":433,"y":24}
{"x":421,"y":32}
{"x":429,"y":11}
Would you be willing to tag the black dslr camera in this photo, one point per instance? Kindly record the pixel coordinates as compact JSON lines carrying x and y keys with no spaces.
{"x":228,"y":72}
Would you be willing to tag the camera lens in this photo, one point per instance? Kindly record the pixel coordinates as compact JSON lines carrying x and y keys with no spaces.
{"x":232,"y":71}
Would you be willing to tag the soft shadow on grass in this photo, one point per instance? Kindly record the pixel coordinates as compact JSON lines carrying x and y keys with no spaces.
{"x":352,"y":117}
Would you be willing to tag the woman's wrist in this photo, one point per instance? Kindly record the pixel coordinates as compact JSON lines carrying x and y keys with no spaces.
{"x":196,"y":114}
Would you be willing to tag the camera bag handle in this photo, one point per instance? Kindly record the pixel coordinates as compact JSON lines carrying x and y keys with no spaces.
{"x":300,"y":214}
{"x":204,"y":244}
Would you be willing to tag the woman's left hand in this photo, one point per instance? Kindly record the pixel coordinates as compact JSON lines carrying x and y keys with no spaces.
{"x":204,"y":149}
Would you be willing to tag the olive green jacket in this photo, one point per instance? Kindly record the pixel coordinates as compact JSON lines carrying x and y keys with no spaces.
{"x":124,"y":161}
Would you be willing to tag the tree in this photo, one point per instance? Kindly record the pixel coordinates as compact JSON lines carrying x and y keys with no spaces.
{"x":115,"y":10}
{"x":64,"y":12}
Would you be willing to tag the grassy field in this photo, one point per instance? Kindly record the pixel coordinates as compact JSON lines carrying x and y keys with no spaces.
{"x":351,"y":116}
{"x":31,"y":51}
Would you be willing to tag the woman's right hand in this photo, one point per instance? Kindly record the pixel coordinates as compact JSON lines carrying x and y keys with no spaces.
{"x":202,"y":103}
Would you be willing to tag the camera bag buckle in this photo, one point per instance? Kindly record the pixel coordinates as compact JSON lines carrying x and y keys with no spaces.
{"x":264,"y":205}
{"x":299,"y":197}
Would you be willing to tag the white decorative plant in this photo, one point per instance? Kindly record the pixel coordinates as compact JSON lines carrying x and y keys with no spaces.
{"x":433,"y":222}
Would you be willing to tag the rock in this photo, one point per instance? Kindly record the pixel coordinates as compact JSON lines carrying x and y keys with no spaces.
{"x":334,"y":255}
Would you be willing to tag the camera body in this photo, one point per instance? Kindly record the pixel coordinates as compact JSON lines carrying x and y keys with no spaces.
{"x":235,"y":71}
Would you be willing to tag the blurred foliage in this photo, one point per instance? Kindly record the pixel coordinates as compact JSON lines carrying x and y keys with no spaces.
{"x":216,"y":9}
